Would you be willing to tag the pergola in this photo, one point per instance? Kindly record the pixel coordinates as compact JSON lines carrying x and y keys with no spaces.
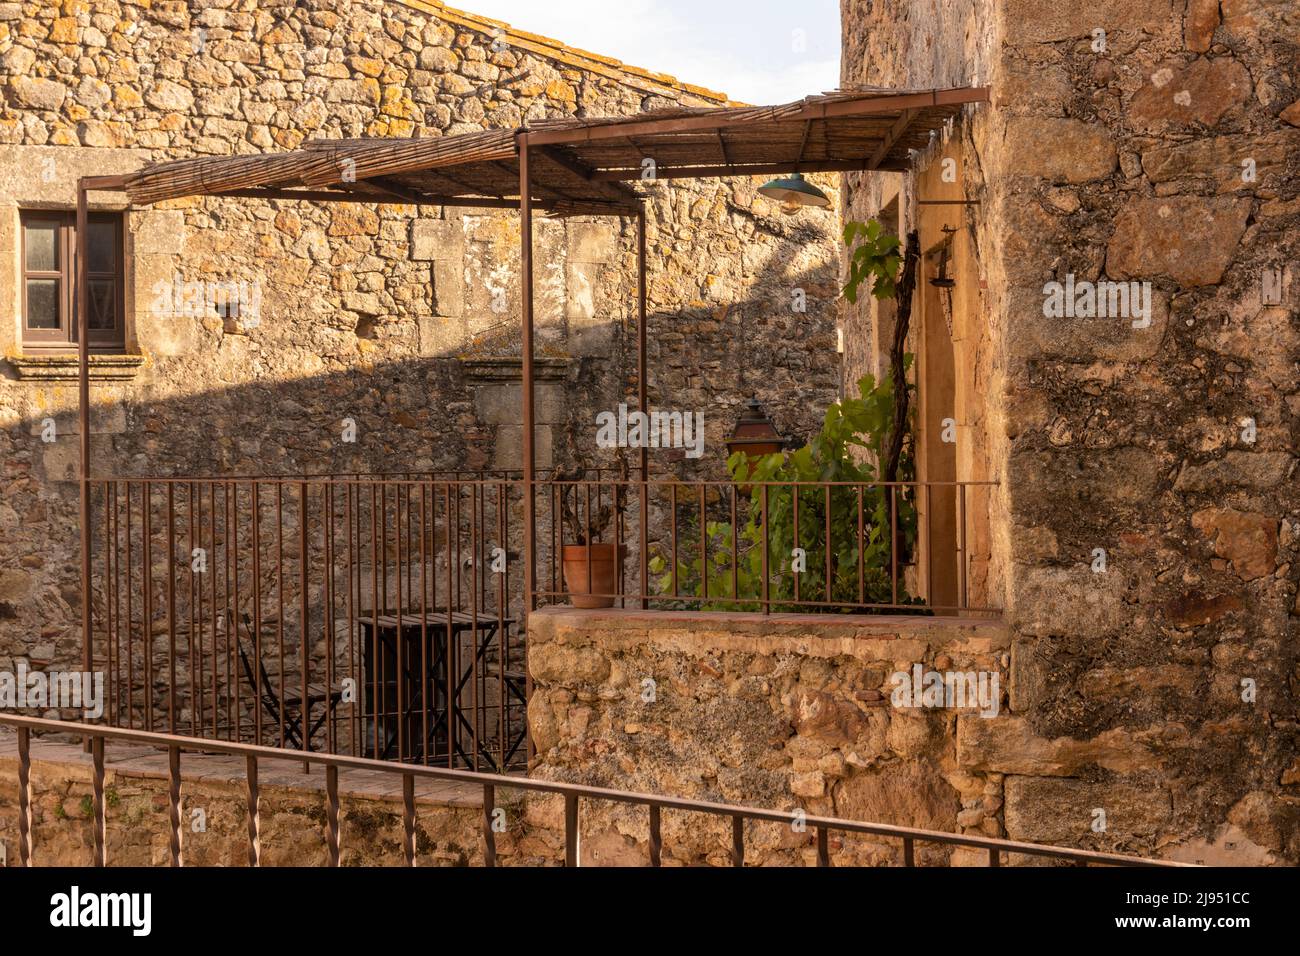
{"x":569,"y":166}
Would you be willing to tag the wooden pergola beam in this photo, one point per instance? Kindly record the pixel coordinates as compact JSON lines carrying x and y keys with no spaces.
{"x":739,"y":169}
{"x":722,"y":119}
{"x":580,"y":169}
{"x":895,"y":133}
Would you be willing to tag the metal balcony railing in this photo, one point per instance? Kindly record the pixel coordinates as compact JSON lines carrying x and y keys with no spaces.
{"x":383,"y":615}
{"x":819,"y":829}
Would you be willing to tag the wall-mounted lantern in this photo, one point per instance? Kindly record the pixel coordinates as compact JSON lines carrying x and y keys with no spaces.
{"x":755,"y":434}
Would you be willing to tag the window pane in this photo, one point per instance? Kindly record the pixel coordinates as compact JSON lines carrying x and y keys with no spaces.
{"x":101,"y":247}
{"x":42,"y":303}
{"x":103,"y":303}
{"x":42,"y":240}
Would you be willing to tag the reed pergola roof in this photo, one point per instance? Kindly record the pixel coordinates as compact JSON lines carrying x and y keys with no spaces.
{"x":579,"y":165}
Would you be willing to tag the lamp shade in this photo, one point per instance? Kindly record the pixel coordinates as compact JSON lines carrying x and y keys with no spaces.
{"x":755,"y":434}
{"x":794,"y":189}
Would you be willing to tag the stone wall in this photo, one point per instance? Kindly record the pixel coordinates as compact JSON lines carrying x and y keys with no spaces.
{"x":403,"y":320}
{"x":1149,"y":510}
{"x":786,"y":712}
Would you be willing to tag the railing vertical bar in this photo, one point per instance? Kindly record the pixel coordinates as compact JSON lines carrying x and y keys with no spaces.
{"x":24,"y":796}
{"x":704,"y":546}
{"x":830,"y":556}
{"x":255,"y":502}
{"x":115,"y":669}
{"x":279,"y":597}
{"x":109,"y":591}
{"x":97,"y":760}
{"x":171,"y":607}
{"x":862,"y":548}
{"x":327,"y":529}
{"x":196,"y":662}
{"x":893,"y":543}
{"x":130,"y":623}
{"x":767,"y":607}
{"x":254,"y":818}
{"x":475,"y":547}
{"x":909,"y":852}
{"x":232,"y":674}
{"x":354,"y":598}
{"x":189,"y":558}
{"x":383,"y":543}
{"x":737,"y":840}
{"x":304,"y":611}
{"x":993,"y":857}
{"x":735,"y":548}
{"x":570,"y":829}
{"x":408,"y":818}
{"x":656,"y":836}
{"x":146,"y":557}
{"x":672,"y":507}
{"x":212,"y":586}
{"x":489,"y":835}
{"x":502,"y":637}
{"x":449,"y":655}
{"x":174,"y":803}
{"x":798,"y":542}
{"x":332,"y":811}
{"x":588,"y":535}
{"x":823,"y":847}
{"x":424,"y":623}
{"x":376,"y":701}
{"x":400,"y":662}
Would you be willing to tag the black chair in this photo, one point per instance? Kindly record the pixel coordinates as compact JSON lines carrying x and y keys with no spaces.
{"x":285,"y":713}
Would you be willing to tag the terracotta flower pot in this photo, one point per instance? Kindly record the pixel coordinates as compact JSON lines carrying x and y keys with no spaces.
{"x":605,"y":573}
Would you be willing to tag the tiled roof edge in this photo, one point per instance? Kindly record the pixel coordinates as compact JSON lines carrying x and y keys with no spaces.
{"x":641,"y":79}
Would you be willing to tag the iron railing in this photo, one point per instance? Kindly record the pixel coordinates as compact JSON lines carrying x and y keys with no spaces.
{"x":818,"y":828}
{"x":372,"y":616}
{"x":382,"y":615}
{"x":899,"y":547}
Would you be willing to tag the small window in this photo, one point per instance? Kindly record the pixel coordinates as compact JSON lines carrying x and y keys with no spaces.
{"x":49,"y":252}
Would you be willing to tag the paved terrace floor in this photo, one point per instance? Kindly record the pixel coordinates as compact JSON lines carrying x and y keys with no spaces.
{"x":149,"y":762}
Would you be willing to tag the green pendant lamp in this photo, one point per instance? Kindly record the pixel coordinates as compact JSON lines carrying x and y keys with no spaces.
{"x":794,"y":190}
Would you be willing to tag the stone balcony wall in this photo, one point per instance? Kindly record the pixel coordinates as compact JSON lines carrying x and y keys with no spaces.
{"x":786,"y":711}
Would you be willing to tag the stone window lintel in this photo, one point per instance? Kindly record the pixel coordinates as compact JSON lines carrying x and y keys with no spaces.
{"x":65,"y":367}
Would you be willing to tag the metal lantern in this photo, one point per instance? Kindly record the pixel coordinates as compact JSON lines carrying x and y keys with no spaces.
{"x":794,"y":190}
{"x":755,"y":435}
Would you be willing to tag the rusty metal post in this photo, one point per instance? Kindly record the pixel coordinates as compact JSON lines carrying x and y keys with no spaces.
{"x":643,"y":454}
{"x":83,"y":420}
{"x":530,"y":499}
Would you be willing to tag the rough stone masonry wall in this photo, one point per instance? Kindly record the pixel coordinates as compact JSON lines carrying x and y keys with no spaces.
{"x":402,"y":320}
{"x":1123,"y":155}
{"x":786,"y":712}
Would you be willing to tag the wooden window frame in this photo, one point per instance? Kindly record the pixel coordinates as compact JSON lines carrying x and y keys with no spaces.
{"x":65,"y":337}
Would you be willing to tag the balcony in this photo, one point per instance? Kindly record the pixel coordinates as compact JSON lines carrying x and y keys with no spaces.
{"x":384,"y":616}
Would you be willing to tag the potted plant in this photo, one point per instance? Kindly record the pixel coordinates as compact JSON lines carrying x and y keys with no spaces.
{"x":593,"y":567}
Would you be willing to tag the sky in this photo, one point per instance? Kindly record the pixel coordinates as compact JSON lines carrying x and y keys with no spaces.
{"x":755,"y":51}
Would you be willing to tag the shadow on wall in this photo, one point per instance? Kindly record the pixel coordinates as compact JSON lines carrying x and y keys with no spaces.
{"x":433,"y":413}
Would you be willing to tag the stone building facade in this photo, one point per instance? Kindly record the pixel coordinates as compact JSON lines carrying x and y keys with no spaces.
{"x":1143,"y":533}
{"x":1144,"y":538}
{"x":403,"y":320}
